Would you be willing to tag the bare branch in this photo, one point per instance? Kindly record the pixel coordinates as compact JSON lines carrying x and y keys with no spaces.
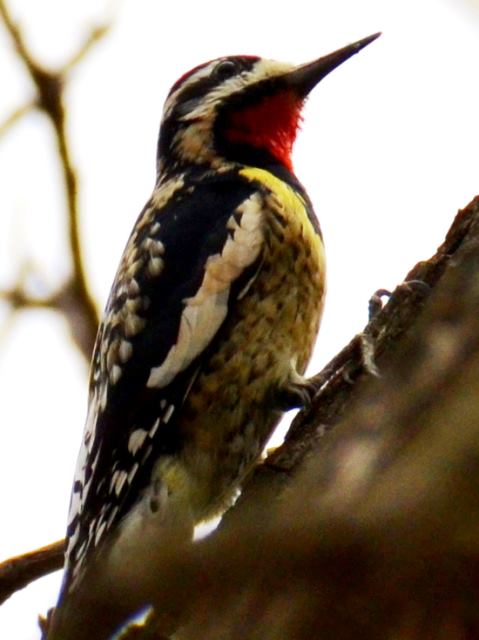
{"x":50,"y":100}
{"x":340,"y":380}
{"x":17,"y":572}
{"x":96,"y":34}
{"x":72,"y":299}
{"x":16,"y":115}
{"x":344,"y":377}
{"x":264,"y":538}
{"x":16,"y":35}
{"x":65,"y":300}
{"x":384,"y":507}
{"x":376,"y":537}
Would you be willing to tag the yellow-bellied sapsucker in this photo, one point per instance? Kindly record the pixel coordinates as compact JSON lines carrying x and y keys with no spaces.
{"x":212,"y":316}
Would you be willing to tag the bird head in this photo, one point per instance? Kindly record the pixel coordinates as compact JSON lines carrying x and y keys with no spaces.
{"x":240,"y":109}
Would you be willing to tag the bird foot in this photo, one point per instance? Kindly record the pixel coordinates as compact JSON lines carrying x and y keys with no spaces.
{"x":296,"y":394}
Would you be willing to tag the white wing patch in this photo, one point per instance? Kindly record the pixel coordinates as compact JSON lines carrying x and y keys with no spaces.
{"x":204,"y":313}
{"x":136,"y":440}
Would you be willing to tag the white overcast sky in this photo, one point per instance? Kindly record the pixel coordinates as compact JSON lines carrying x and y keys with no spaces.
{"x":388,"y":152}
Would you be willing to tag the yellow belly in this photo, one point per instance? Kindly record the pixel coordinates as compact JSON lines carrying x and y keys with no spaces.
{"x":269,"y":334}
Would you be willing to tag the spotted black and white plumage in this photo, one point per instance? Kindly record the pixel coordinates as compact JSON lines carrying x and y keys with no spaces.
{"x":212,"y":316}
{"x":139,"y":378}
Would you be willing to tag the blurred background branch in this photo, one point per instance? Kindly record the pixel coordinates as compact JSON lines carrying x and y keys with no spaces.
{"x":73,"y":299}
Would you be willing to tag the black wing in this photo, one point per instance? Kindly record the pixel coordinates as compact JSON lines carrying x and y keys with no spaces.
{"x":196,"y":245}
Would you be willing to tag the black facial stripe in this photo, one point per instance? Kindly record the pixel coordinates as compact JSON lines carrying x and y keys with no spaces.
{"x":185,"y":77}
{"x":204,"y":85}
{"x":251,"y":95}
{"x":191,"y":95}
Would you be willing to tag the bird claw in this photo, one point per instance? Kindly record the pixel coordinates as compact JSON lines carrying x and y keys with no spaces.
{"x":419,"y":284}
{"x":376,"y":303}
{"x":297,"y":394}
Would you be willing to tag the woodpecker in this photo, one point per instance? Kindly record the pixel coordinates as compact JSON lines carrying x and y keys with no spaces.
{"x":212,"y":316}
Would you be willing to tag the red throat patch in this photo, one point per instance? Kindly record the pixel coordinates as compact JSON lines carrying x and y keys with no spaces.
{"x":271,"y":124}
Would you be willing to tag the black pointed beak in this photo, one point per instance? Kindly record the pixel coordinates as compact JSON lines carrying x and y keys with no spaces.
{"x":307,"y":76}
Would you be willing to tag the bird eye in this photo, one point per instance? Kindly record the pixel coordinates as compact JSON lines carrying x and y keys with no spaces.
{"x":225,"y":69}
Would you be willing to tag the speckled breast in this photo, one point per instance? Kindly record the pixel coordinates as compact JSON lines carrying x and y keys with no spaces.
{"x":268,"y":336}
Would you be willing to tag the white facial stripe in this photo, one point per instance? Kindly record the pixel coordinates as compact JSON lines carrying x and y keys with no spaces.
{"x":261,"y":70}
{"x":204,"y":313}
{"x":196,"y":146}
{"x":204,"y":72}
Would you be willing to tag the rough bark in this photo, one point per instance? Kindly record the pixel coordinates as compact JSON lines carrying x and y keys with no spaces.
{"x":367,"y":529}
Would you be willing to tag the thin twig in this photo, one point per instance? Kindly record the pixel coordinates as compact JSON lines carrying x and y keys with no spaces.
{"x":16,"y":115}
{"x":95,"y":35}
{"x":50,"y":93}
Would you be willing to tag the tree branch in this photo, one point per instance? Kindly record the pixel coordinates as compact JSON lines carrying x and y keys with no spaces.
{"x":376,"y":535}
{"x":18,"y":572}
{"x":16,"y":115}
{"x":350,"y":497}
{"x":345,"y":376}
{"x":81,"y":311}
{"x":339,"y":382}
